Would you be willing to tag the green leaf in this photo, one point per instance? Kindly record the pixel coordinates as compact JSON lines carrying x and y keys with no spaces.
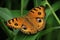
{"x":16,"y":13}
{"x":23,"y":4}
{"x":39,"y":2}
{"x":55,"y":7}
{"x":53,"y":12}
{"x":5,"y":14}
{"x":52,"y":21}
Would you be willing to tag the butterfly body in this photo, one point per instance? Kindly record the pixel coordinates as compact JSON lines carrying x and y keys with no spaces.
{"x":31,"y":23}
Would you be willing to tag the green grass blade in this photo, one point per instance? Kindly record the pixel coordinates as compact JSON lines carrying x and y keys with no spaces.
{"x":35,"y":3}
{"x":53,"y":12}
{"x":25,"y":3}
{"x":55,"y":7}
{"x":39,"y":2}
{"x":47,"y":31}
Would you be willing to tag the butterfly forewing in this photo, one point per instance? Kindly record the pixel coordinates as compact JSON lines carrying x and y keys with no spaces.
{"x":37,"y":12}
{"x":16,"y":23}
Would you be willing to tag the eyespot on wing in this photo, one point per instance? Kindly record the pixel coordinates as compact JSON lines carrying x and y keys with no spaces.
{"x":28,"y":28}
{"x":37,"y":22}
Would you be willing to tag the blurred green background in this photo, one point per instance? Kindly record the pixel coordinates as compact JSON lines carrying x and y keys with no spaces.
{"x":16,"y":8}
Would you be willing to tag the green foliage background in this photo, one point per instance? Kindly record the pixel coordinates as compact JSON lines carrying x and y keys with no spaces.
{"x":18,"y":8}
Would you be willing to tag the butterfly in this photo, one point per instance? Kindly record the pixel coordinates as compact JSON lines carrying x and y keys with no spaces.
{"x":31,"y":23}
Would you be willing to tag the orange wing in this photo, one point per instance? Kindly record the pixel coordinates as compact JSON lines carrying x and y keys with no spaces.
{"x":37,"y":12}
{"x":36,"y":17}
{"x":15,"y":23}
{"x":22,"y":24}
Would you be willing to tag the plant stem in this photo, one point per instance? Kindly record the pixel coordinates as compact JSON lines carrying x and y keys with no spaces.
{"x":53,"y":12}
{"x":22,"y":1}
{"x":35,"y":3}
